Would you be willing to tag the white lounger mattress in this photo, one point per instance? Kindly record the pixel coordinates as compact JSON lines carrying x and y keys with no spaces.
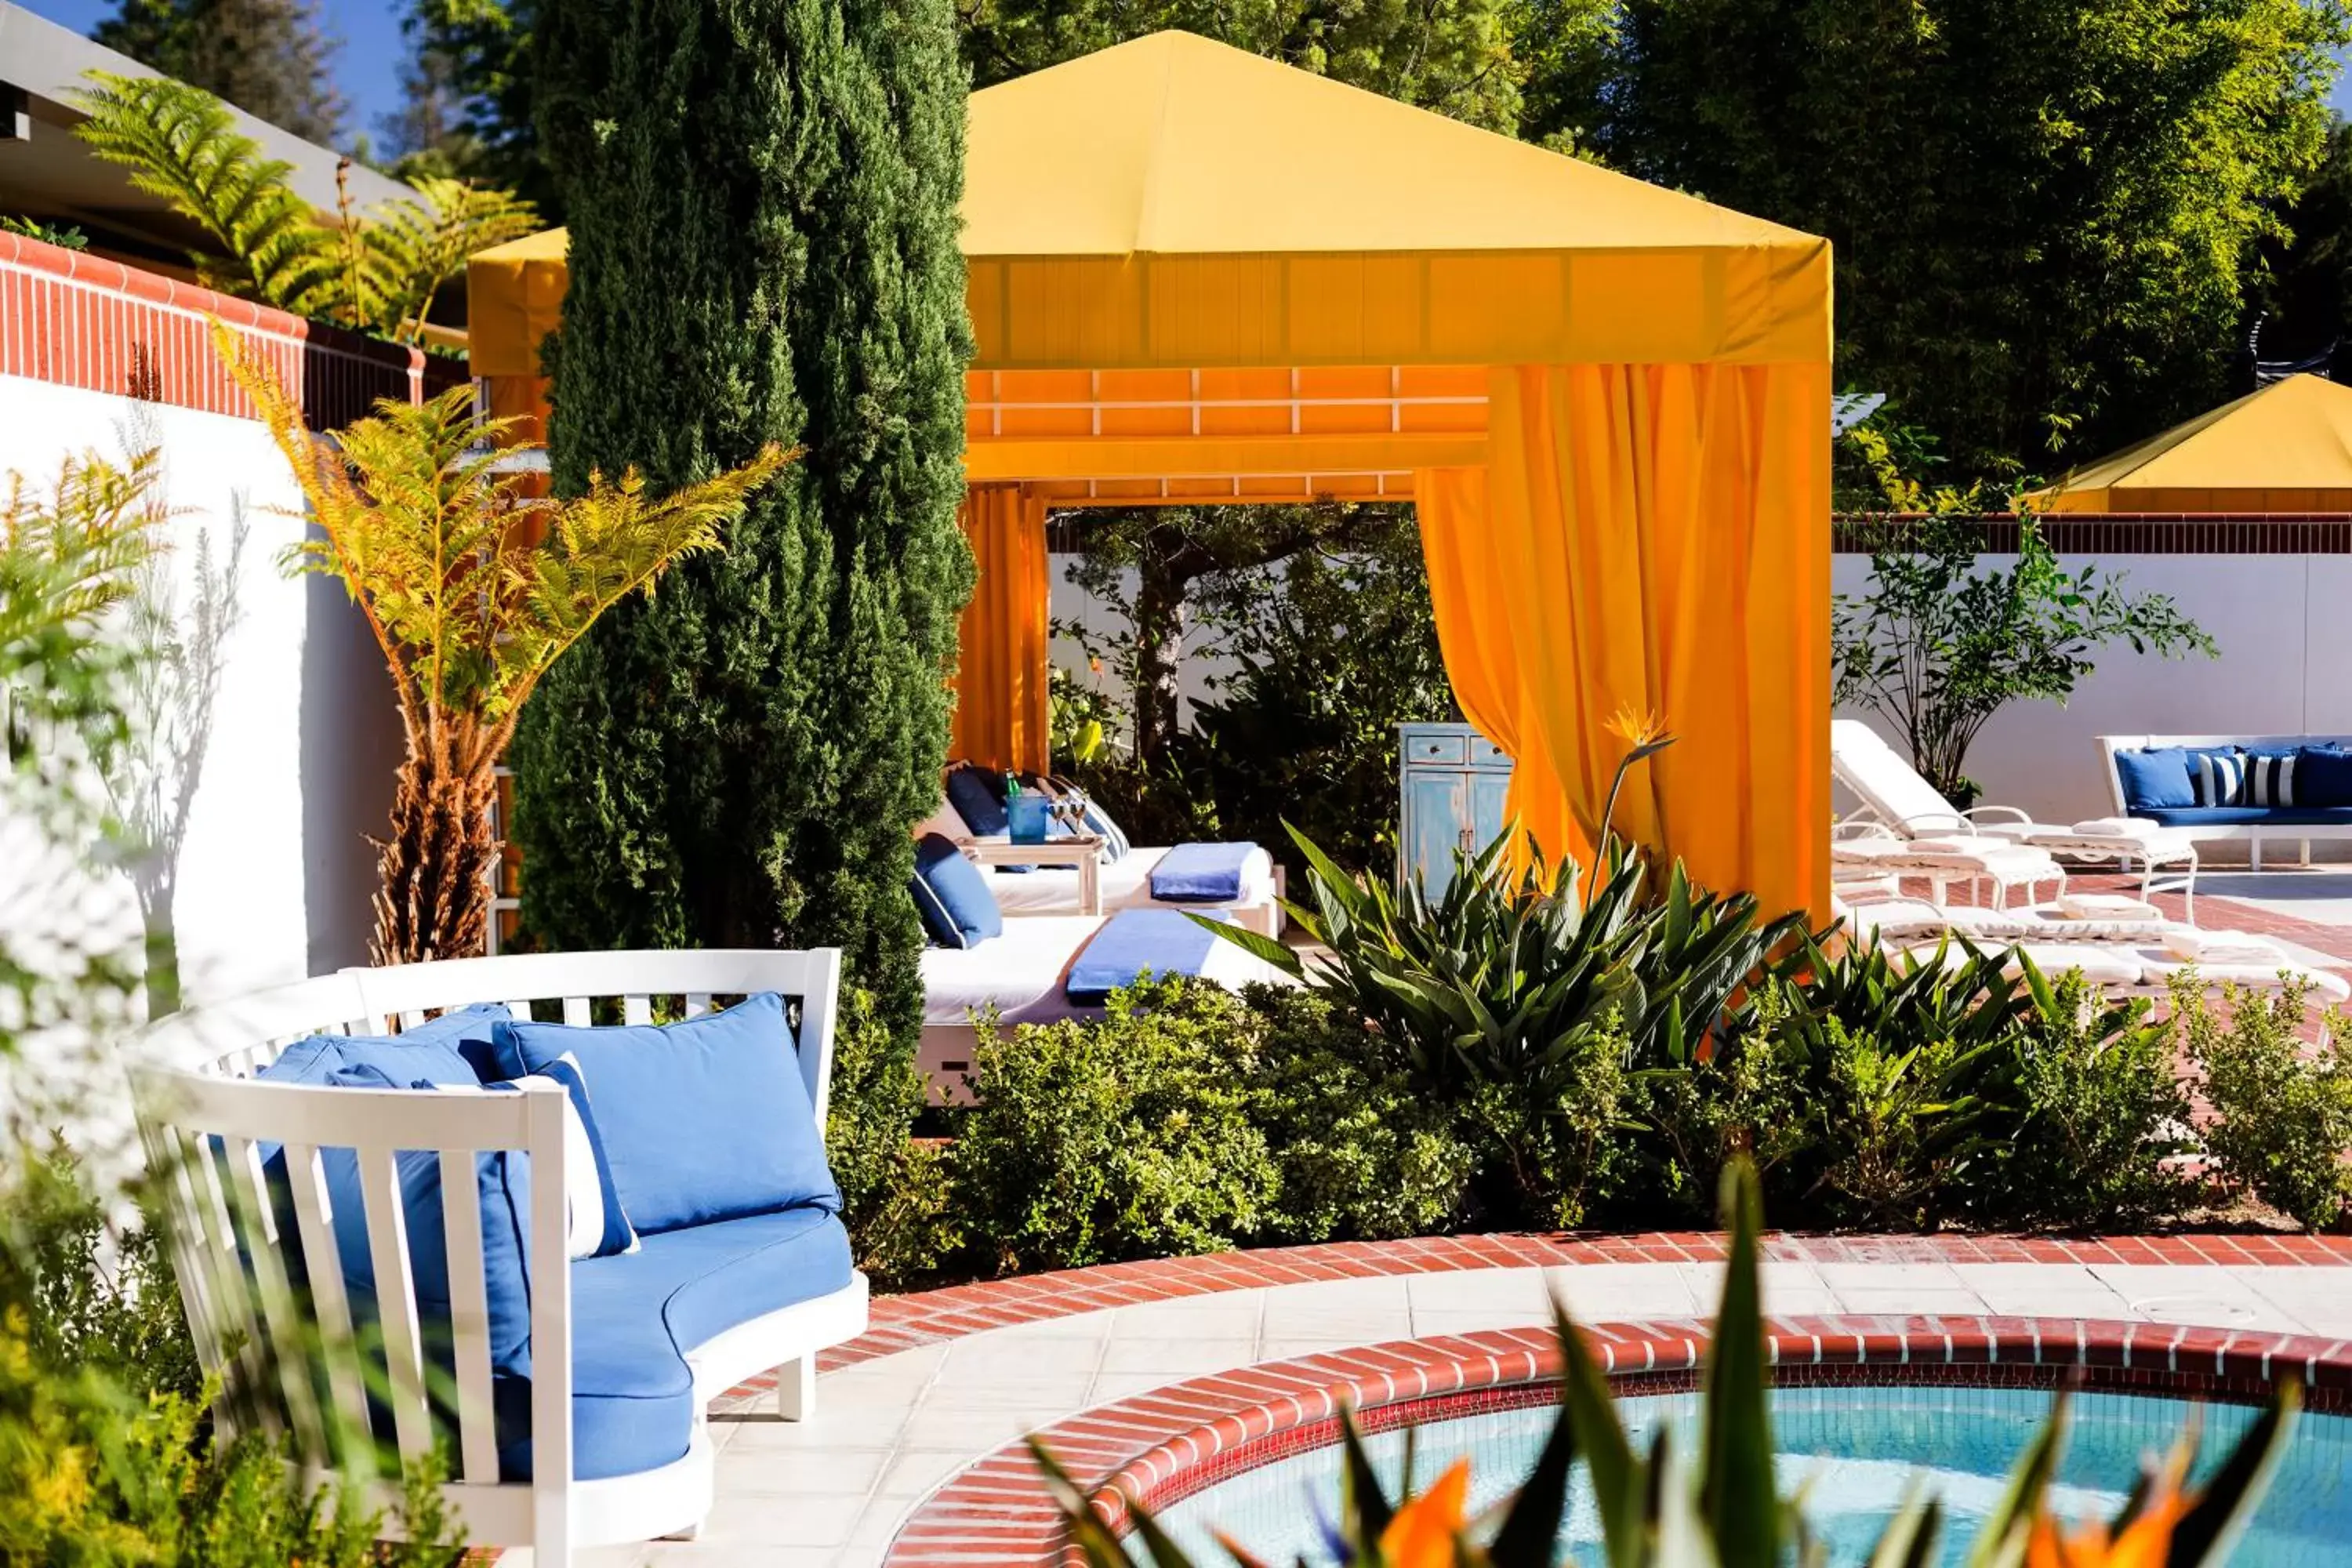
{"x":1125,"y":883}
{"x":1020,"y":972}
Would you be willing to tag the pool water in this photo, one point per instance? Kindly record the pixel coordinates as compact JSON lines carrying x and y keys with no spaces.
{"x":1856,"y":1451}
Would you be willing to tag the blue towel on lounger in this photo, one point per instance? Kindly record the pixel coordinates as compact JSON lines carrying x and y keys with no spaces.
{"x":1165,"y":942}
{"x":1201,"y":873}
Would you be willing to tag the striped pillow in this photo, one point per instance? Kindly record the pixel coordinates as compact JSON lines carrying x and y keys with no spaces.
{"x":2219,"y":778}
{"x":2270,"y":778}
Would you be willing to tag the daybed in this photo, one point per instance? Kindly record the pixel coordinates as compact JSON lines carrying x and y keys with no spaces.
{"x":1896,"y":793}
{"x":2235,"y":788}
{"x":571,"y":1392}
{"x":972,"y":811}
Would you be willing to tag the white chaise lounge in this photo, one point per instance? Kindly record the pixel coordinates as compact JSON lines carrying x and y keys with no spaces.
{"x":1893,"y":794}
{"x":624,"y":1353}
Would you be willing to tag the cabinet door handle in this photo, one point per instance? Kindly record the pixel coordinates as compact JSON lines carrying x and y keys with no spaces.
{"x":1469,"y":844}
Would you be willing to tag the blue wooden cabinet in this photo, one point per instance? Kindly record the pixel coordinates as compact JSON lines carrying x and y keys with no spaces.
{"x":1450,"y":786}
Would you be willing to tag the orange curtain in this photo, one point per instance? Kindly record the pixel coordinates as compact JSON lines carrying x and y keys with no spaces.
{"x":1000,"y":681}
{"x":1654,"y":538}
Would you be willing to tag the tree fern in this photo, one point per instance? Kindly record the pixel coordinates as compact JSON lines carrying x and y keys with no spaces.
{"x":414,"y":247}
{"x":180,"y":144}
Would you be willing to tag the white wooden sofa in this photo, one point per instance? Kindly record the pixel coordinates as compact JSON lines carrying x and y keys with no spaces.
{"x":2249,"y":825}
{"x":253,"y":1293}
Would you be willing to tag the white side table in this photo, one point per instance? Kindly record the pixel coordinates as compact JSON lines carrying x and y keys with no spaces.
{"x":1084,"y":852}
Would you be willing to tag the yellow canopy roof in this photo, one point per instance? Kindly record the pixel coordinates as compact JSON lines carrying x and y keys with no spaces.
{"x":2285,"y":448}
{"x":1173,"y":203}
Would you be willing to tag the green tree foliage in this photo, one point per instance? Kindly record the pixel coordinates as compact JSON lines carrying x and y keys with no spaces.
{"x":1452,"y":56}
{"x":2045,"y":210}
{"x":269,"y":58}
{"x":2305,"y":293}
{"x":763,"y":199}
{"x":468,"y":91}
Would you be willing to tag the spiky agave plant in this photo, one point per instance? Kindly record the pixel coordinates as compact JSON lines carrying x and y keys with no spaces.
{"x":472,"y":589}
{"x":1721,"y":1508}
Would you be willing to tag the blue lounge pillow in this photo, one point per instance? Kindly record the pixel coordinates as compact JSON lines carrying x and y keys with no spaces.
{"x":2270,"y":775}
{"x":702,"y":1120}
{"x":977,"y":796}
{"x":958,"y":909}
{"x":2156,"y":778}
{"x":503,"y":1191}
{"x":596,"y":1225}
{"x":2323,"y":776}
{"x":452,"y":1051}
{"x":2217,"y":776}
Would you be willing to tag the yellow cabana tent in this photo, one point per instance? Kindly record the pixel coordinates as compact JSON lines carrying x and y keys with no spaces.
{"x":1200,"y":275}
{"x":2285,"y":448}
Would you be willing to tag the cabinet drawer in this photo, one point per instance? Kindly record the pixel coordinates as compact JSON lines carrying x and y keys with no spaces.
{"x":1484,"y":754}
{"x":1434,"y":749}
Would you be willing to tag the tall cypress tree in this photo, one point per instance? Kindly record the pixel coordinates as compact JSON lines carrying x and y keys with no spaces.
{"x":762,"y":199}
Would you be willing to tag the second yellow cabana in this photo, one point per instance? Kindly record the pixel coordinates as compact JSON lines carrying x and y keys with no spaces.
{"x":2286,"y":448}
{"x":1197,"y":275}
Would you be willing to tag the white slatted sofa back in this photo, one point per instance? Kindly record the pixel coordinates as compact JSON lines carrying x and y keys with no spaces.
{"x":204,"y":1120}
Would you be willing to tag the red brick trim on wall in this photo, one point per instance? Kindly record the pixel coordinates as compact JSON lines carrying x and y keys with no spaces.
{"x":1160,"y":1446}
{"x":2134,"y":534}
{"x":75,"y":319}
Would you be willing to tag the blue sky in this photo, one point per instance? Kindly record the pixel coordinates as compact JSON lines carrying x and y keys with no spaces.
{"x":368,"y":70}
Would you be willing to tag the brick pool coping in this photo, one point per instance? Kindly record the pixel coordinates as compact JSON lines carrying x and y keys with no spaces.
{"x":1157,"y":1448}
{"x":904,"y":1323}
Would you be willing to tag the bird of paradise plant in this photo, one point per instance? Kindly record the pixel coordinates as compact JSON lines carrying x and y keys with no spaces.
{"x":472,"y":589}
{"x":1725,"y":1511}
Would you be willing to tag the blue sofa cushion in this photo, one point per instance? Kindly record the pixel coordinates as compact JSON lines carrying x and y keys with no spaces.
{"x":636,"y":1316}
{"x":596,"y":1223}
{"x":2284,"y":816}
{"x":978,"y":796}
{"x":2155,"y":780}
{"x":2270,"y":774}
{"x":702,"y":1120}
{"x":2323,"y":776}
{"x":957,"y":907}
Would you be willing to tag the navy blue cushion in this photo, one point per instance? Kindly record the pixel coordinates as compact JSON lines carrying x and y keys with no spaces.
{"x":2323,"y":776}
{"x":636,"y":1316}
{"x":958,"y":909}
{"x":978,"y":796}
{"x":2217,"y":776}
{"x":2251,"y":816}
{"x":2155,"y":780}
{"x":702,"y":1120}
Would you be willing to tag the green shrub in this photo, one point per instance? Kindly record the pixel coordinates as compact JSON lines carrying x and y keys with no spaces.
{"x":1748,"y":1097}
{"x":894,"y":1186}
{"x":1129,"y":1137}
{"x":1551,"y":1149}
{"x":2283,"y":1109}
{"x":2095,"y":1113}
{"x":1360,"y":1151}
{"x":108,"y":1306}
{"x":1897,"y":1127}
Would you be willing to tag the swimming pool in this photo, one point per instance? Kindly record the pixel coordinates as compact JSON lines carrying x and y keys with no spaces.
{"x":1859,"y":1448}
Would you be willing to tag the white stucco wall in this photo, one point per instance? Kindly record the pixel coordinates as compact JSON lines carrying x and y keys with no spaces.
{"x":2284,"y":626}
{"x":275,"y":874}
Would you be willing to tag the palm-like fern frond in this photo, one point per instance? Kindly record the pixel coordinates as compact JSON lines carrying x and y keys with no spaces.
{"x":472,"y":589}
{"x":180,"y":144}
{"x":414,"y":247}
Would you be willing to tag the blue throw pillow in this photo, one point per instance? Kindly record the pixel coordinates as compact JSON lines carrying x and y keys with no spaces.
{"x":702,"y":1120}
{"x":978,"y":797}
{"x":2270,"y":775}
{"x":958,"y":909}
{"x":453,"y":1049}
{"x":503,"y":1191}
{"x":2156,"y":779}
{"x":2323,"y":776}
{"x":596,"y":1224}
{"x":2217,"y":776}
